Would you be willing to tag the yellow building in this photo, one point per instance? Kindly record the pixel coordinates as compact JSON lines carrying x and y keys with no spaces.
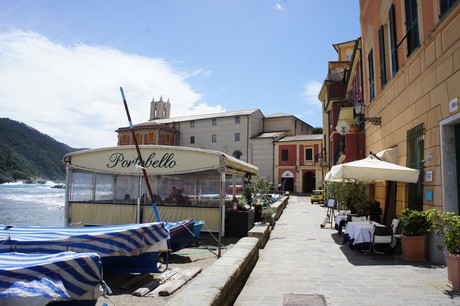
{"x":411,"y":63}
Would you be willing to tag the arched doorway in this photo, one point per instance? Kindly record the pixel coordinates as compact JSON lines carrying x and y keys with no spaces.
{"x":308,"y":182}
{"x":288,"y":181}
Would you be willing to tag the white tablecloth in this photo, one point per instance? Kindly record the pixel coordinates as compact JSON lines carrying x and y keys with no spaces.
{"x":339,"y":218}
{"x":360,"y":231}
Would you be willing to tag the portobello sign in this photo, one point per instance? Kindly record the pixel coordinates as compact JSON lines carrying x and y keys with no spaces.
{"x":158,"y":160}
{"x":118,"y":159}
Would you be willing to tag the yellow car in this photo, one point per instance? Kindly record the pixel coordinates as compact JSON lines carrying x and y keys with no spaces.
{"x":317,"y":196}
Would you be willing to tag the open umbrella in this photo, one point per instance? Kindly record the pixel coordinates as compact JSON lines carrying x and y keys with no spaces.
{"x":372,"y":168}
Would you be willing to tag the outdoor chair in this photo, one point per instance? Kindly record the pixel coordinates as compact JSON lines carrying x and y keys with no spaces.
{"x":395,"y":224}
{"x":381,"y":239}
{"x":357,"y":219}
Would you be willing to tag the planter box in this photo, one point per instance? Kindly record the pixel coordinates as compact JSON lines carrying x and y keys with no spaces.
{"x":453,"y":271}
{"x":239,"y":223}
{"x":413,"y":248}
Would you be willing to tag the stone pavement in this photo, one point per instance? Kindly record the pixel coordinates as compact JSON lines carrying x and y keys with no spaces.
{"x":303,"y":264}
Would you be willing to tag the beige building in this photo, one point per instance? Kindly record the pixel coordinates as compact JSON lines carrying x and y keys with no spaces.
{"x":247,"y":135}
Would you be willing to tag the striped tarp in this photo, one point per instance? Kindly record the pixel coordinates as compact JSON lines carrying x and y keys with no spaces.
{"x":112,"y":240}
{"x":36,"y":279}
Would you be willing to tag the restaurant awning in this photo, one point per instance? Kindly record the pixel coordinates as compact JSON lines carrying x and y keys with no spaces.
{"x":372,"y":169}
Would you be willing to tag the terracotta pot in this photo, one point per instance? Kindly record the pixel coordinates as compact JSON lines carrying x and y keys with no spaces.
{"x":453,"y":271}
{"x":354,"y":129}
{"x":413,"y":248}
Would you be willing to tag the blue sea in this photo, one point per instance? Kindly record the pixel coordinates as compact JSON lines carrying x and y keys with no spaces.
{"x":31,"y":204}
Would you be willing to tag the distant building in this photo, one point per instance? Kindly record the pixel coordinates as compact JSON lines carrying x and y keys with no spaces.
{"x":296,"y":163}
{"x":247,"y":135}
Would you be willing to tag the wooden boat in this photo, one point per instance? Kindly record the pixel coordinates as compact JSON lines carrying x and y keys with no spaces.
{"x":38,"y":279}
{"x":123,"y":248}
{"x":182,"y":233}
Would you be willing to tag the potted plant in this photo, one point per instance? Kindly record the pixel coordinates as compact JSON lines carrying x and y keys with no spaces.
{"x":415,"y":226}
{"x":447,"y":226}
{"x":267,"y":215}
{"x":259,"y":188}
{"x":350,"y":195}
{"x":355,"y":124}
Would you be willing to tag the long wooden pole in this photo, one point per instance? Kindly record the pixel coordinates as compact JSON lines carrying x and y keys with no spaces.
{"x":139,"y":155}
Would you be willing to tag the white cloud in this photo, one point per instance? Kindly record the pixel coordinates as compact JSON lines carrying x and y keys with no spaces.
{"x":311,"y":93}
{"x":71,"y":92}
{"x":312,"y":113}
{"x":279,"y":7}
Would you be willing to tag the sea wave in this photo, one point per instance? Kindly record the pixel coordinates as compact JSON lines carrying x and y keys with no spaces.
{"x":13,"y":183}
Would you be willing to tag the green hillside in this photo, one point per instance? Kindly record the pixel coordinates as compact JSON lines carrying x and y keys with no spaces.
{"x":27,"y":154}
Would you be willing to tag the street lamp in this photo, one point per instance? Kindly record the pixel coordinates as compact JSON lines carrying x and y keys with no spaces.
{"x":321,"y":160}
{"x":360,"y":109}
{"x":323,"y":164}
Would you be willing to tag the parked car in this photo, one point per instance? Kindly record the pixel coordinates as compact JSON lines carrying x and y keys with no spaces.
{"x":317,"y":196}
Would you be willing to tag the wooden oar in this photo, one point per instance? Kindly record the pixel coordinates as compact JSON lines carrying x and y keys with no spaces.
{"x":141,"y":160}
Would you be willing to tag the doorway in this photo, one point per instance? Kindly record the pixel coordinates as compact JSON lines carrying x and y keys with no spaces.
{"x":308,"y":182}
{"x":450,"y":165}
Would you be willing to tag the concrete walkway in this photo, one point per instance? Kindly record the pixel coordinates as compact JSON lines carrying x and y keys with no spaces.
{"x":303,"y":264}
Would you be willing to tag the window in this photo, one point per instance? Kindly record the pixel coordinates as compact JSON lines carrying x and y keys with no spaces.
{"x":168,"y":139}
{"x":151,"y":138}
{"x":214,"y":122}
{"x":393,"y":41}
{"x":370,"y":60}
{"x":413,"y":39}
{"x":383,"y":68}
{"x":214,"y":138}
{"x":237,"y":136}
{"x":237,"y":119}
{"x":284,"y":155}
{"x":308,"y":154}
{"x":349,"y":57}
{"x":192,"y":124}
{"x":125,"y":139}
{"x":138,"y":138}
{"x":192,"y":139}
{"x":445,"y":6}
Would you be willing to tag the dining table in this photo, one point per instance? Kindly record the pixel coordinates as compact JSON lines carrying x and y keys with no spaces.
{"x":340,"y":217}
{"x":360,"y":231}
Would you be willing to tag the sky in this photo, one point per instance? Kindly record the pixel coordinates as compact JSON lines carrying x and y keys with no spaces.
{"x":62,"y":63}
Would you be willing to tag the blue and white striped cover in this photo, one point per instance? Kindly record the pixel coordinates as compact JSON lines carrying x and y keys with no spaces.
{"x":112,"y":240}
{"x":36,"y":279}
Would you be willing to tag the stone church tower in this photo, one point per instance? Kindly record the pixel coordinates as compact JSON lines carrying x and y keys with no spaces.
{"x":159,"y":109}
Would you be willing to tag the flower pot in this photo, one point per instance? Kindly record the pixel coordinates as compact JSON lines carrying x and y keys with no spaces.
{"x":354,"y":129}
{"x":413,"y":248}
{"x":453,"y":271}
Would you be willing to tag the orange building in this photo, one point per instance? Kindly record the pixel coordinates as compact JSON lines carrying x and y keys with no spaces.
{"x":299,"y":163}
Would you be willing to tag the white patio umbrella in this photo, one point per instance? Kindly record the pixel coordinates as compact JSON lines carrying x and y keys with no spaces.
{"x":372,"y":169}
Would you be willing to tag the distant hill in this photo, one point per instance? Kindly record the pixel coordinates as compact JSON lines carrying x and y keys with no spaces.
{"x":27,"y":154}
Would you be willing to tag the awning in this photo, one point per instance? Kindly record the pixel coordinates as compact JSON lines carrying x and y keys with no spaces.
{"x":389,"y":155}
{"x":372,"y":169}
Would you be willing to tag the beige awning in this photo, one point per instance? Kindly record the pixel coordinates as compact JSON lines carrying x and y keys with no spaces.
{"x":372,"y":169}
{"x":389,"y":155}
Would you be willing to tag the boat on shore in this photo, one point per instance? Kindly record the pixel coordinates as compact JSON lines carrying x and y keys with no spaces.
{"x":63,"y":278}
{"x":133,"y":248}
{"x":183,"y":233}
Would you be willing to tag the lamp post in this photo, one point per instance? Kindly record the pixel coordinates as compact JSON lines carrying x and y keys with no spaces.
{"x":360,"y":108}
{"x":323,"y":164}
